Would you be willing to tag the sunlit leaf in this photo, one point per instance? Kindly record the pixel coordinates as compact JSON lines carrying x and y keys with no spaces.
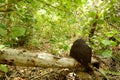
{"x":111,"y":33}
{"x":2,"y":46}
{"x":3,"y":68}
{"x":106,"y":42}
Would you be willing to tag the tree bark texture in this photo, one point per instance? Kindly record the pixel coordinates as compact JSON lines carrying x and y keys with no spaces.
{"x":18,"y":57}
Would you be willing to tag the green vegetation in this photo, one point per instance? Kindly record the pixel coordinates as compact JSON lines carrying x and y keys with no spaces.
{"x":3,"y":68}
{"x":52,"y":25}
{"x":55,"y":23}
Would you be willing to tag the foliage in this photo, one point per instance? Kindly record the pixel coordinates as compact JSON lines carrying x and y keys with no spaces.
{"x":17,"y":31}
{"x":2,"y":30}
{"x":55,"y":23}
{"x":3,"y":68}
{"x":111,"y":72}
{"x":52,"y":25}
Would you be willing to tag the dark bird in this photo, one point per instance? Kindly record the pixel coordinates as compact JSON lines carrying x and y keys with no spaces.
{"x":81,"y":52}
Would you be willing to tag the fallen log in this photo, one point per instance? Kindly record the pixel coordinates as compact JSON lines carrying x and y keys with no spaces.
{"x":18,"y":57}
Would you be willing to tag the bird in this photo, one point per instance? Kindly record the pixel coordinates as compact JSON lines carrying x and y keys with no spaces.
{"x":81,"y":52}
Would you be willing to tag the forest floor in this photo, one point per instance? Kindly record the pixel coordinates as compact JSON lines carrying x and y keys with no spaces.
{"x":111,"y":69}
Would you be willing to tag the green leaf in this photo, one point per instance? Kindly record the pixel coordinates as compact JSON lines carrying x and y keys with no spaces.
{"x":117,"y":38}
{"x":17,"y":31}
{"x":3,"y":68}
{"x":66,"y":47}
{"x":107,"y":53}
{"x":92,"y":14}
{"x":111,"y":33}
{"x":2,"y":26}
{"x":105,"y":42}
{"x":113,"y":43}
{"x":3,"y":32}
